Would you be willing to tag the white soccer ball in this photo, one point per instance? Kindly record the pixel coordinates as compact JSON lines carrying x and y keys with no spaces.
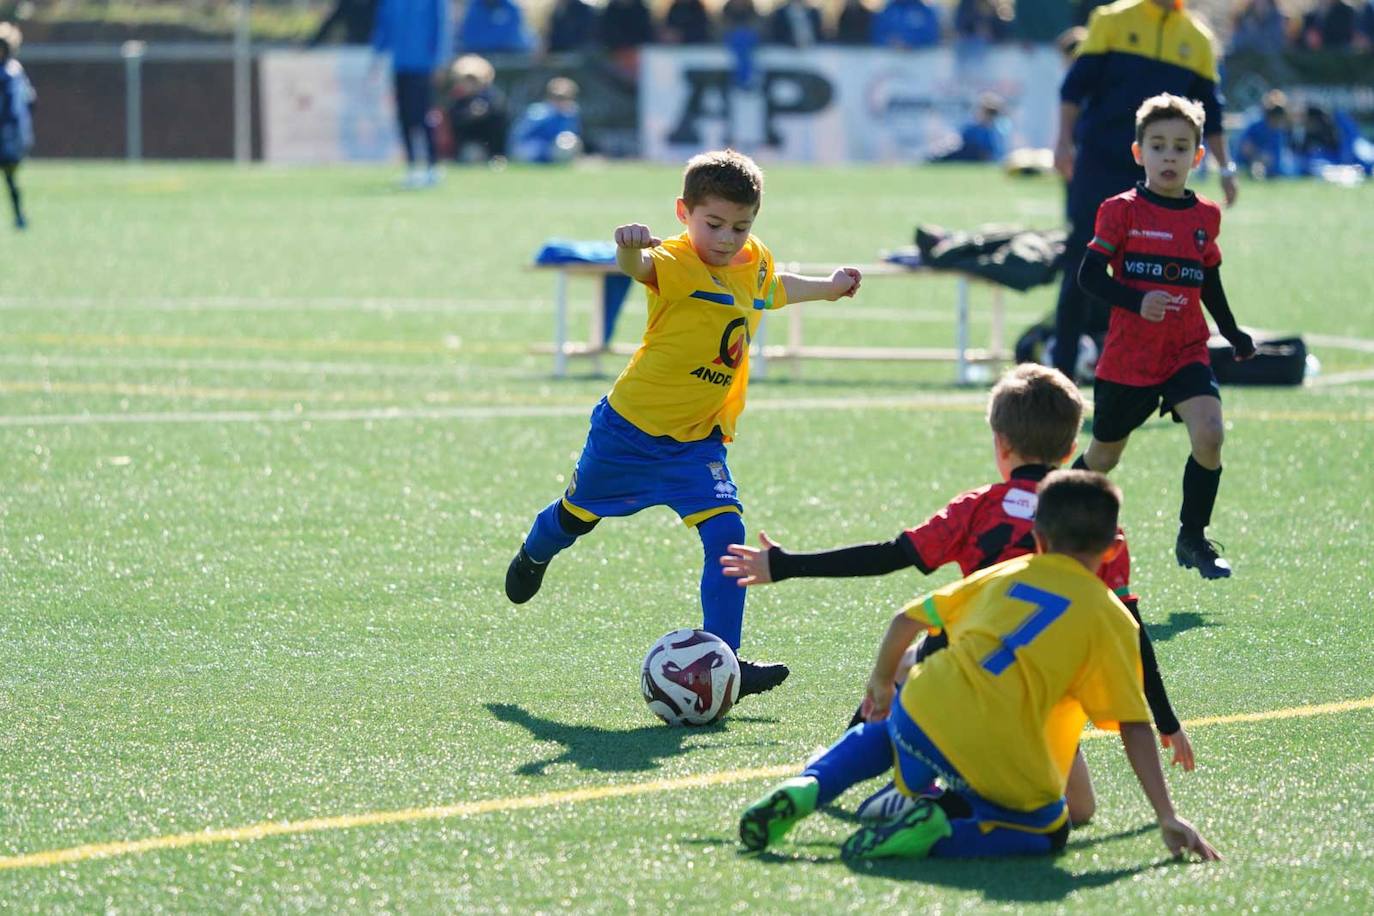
{"x":690,"y":677}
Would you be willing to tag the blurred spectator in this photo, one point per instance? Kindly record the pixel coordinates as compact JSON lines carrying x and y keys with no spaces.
{"x":1040,"y":21}
{"x":354,"y":16}
{"x":623,"y":28}
{"x":1330,"y":26}
{"x":854,"y":26}
{"x":985,"y":138}
{"x":417,"y":35}
{"x":551,"y":130}
{"x":494,"y":25}
{"x":477,"y":116}
{"x":1265,"y":148}
{"x":983,"y":21}
{"x":906,"y":24}
{"x":742,"y":32}
{"x":572,"y":26}
{"x":1068,"y":42}
{"x":1364,"y":28}
{"x":626,"y":24}
{"x":687,"y":23}
{"x":1316,"y":138}
{"x":1259,"y":27}
{"x":795,"y":23}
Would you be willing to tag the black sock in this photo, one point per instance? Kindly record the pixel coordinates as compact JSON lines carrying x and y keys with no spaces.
{"x":1199,"y":496}
{"x":1081,"y":463}
{"x":14,"y":195}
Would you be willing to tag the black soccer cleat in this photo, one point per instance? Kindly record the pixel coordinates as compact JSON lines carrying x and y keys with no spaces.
{"x":1197,"y":552}
{"x":523,"y":577}
{"x":757,"y":677}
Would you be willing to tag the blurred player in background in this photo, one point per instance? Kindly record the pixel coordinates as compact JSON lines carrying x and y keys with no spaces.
{"x":16,"y":118}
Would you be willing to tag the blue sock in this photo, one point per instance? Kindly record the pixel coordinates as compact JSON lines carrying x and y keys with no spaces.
{"x":722,"y":600}
{"x":861,"y":753}
{"x":970,"y":842}
{"x":548,"y":536}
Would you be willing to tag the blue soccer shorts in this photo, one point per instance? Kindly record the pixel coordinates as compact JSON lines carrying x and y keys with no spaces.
{"x":623,"y":469}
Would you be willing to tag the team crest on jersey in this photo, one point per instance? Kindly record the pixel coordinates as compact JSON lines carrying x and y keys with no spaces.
{"x":1019,"y":503}
{"x":725,"y":488}
{"x":1200,"y":239}
{"x":763,"y":272}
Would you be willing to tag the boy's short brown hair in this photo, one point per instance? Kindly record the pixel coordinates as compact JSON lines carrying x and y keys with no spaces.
{"x":1037,"y":411}
{"x":725,"y":174}
{"x":1077,"y":512}
{"x":1166,"y":107}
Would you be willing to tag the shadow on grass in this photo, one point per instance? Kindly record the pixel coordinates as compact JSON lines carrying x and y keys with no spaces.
{"x":1178,"y":622}
{"x":609,"y":750}
{"x":1025,"y":879}
{"x":1017,"y":880}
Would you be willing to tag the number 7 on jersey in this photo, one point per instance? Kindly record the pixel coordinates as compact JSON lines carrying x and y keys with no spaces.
{"x":1048,"y":607}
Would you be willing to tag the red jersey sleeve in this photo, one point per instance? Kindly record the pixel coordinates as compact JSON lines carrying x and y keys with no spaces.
{"x":1211,"y":252}
{"x":939,"y":539}
{"x":1116,"y":572}
{"x":1109,"y":232}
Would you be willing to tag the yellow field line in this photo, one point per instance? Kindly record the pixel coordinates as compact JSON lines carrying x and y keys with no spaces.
{"x":251,"y":832}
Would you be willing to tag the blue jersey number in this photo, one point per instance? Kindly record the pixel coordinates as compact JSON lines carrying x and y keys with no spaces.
{"x":1048,"y":607}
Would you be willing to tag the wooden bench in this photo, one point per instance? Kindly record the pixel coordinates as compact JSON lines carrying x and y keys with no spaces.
{"x":962,"y":354}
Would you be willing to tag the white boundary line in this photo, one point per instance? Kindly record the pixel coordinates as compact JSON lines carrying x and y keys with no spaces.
{"x":962,"y":402}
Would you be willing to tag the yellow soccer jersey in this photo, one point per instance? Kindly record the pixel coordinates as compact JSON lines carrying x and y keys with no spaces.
{"x":690,"y":374}
{"x":1037,"y":646}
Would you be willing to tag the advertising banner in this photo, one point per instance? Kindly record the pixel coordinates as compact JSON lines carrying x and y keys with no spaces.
{"x":330,"y":105}
{"x":834,"y":105}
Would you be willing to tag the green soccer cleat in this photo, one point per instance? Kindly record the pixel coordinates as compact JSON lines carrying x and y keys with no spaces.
{"x":909,"y":836}
{"x":769,"y":818}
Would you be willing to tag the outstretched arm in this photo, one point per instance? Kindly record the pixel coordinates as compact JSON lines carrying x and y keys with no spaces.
{"x":771,"y":563}
{"x":1180,"y":836}
{"x":631,"y":255}
{"x":843,"y":282}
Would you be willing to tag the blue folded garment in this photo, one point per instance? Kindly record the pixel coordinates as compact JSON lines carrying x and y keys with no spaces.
{"x":563,"y":251}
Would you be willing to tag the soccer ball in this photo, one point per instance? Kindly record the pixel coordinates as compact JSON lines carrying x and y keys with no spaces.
{"x":690,"y":677}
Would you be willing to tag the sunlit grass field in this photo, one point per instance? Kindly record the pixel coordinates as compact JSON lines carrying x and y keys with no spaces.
{"x":270,"y":437}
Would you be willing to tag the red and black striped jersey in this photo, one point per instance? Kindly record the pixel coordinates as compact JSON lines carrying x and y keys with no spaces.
{"x":1156,"y":243}
{"x":986,"y":526}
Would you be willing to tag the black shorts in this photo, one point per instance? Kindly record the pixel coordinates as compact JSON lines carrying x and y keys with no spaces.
{"x":1118,"y":410}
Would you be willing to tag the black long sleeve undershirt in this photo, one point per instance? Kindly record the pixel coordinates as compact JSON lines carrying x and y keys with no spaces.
{"x":1096,"y":282}
{"x":876,"y":559}
{"x":1155,"y":694}
{"x":1214,"y":299}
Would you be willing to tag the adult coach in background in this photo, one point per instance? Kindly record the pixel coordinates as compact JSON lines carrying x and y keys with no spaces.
{"x":1134,"y":49}
{"x":419,"y":37}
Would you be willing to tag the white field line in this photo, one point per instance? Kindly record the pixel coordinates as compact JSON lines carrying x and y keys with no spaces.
{"x":436,"y":306}
{"x":269,"y":304}
{"x":1341,"y":378}
{"x":960,"y":402}
{"x":295,"y":367}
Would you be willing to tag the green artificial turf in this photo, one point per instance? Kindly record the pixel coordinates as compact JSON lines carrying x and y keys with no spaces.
{"x":270,"y":437}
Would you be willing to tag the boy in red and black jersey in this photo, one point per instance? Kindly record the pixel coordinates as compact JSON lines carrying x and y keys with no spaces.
{"x":1035,"y":414}
{"x":1160,"y":241}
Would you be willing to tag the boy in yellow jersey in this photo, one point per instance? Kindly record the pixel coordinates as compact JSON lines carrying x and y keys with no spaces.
{"x":1038,"y":646}
{"x":658,"y":438}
